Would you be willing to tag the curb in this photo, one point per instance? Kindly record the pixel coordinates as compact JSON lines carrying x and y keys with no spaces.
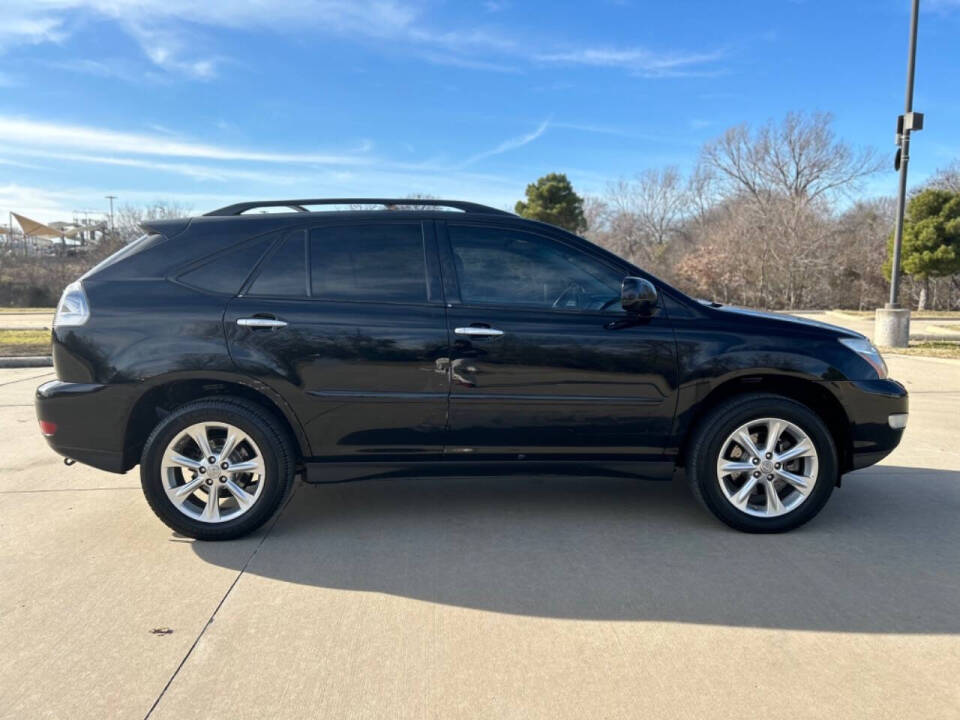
{"x":948,"y":332}
{"x":944,"y":337}
{"x":27,"y":361}
{"x":840,"y":314}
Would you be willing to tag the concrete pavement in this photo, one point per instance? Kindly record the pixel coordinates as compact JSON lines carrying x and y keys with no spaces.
{"x":922,"y":327}
{"x":484,"y":598}
{"x":27,"y":320}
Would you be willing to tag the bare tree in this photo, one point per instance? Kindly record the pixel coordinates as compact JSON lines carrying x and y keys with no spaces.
{"x":790,"y":173}
{"x":648,"y":213}
{"x":858,"y":249}
{"x":800,"y":159}
{"x":947,"y":178}
{"x":128,"y":217}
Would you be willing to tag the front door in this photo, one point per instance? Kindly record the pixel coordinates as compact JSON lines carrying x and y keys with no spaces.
{"x":545,"y":364}
{"x":347,"y":323}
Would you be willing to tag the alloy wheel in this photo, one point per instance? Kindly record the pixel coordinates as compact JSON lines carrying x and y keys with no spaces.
{"x":767,"y":467}
{"x":212,"y":472}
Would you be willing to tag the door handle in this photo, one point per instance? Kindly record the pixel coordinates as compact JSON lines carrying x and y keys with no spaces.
{"x":478,"y":331}
{"x":261,"y":322}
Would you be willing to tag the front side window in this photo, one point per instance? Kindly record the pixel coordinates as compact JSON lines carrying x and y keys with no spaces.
{"x":383,"y":263}
{"x":497,"y":266}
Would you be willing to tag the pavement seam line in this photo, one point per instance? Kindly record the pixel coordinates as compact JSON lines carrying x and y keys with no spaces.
{"x":213,"y":615}
{"x":33,"y":377}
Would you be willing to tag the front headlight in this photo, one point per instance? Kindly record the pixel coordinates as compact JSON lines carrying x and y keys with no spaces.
{"x":865,"y":349}
{"x":73,"y":308}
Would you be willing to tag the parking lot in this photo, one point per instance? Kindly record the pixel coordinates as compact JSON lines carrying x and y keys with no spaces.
{"x":484,"y":598}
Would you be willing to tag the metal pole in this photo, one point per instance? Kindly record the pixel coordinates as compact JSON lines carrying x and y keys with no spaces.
{"x":904,"y":160}
{"x":111,"y":198}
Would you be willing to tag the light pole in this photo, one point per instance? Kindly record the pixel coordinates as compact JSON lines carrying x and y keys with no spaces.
{"x":111,"y":198}
{"x":893,"y":322}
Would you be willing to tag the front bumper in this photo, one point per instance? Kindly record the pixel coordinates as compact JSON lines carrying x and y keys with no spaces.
{"x":873,"y":407}
{"x":90,"y":422}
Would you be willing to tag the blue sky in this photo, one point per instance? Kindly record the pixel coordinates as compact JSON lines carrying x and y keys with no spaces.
{"x":212,"y":101}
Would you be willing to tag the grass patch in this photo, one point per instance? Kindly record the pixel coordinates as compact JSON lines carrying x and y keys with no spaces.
{"x":928,"y":348}
{"x":24,"y":342}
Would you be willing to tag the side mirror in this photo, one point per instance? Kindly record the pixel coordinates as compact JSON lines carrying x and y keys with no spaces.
{"x":638,"y":296}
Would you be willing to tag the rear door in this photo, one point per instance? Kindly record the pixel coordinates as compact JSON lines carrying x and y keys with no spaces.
{"x":346,"y":321}
{"x":544,"y":362}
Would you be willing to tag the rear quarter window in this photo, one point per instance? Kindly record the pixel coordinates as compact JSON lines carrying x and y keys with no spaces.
{"x":129,"y":250}
{"x":226,"y":272}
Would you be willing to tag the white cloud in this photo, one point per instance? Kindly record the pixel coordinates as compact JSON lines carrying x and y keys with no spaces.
{"x":638,"y":60}
{"x":23,"y":25}
{"x":97,"y":68}
{"x":440,"y":58}
{"x":16,"y":163}
{"x":159,"y":25}
{"x":507,"y":145}
{"x":197,"y":172}
{"x":166,"y":151}
{"x":591,"y":128}
{"x":20,"y":132}
{"x":169,"y":31}
{"x":253,"y":173}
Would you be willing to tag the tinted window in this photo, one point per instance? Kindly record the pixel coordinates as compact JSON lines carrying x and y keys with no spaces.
{"x":226,"y":272}
{"x":284,"y":273}
{"x":369,"y":262}
{"x":132,"y":248}
{"x":500,"y":266}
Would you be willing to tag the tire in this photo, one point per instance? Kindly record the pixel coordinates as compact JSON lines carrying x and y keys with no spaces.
{"x":758,"y":510}
{"x":264,"y":443}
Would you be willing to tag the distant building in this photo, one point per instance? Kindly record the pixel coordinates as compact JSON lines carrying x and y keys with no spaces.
{"x":34,"y":237}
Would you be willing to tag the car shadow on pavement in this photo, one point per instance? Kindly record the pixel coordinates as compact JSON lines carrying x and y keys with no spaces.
{"x":883,"y":556}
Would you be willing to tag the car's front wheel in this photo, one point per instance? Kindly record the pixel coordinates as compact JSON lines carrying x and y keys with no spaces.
{"x":216,"y":469}
{"x":762,"y":463}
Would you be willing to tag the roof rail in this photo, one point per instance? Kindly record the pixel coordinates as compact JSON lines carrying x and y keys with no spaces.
{"x":388,"y":203}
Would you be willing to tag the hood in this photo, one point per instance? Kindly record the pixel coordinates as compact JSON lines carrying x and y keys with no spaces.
{"x":737,"y":312}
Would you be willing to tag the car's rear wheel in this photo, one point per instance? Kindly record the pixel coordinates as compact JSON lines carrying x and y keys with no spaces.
{"x":217,"y":469}
{"x":762,"y":463}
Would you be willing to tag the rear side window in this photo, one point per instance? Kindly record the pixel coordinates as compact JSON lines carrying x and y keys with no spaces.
{"x":284,"y":273}
{"x":226,"y":272}
{"x":383,"y":263}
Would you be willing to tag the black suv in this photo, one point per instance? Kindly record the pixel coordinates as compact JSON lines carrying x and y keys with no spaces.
{"x":229,"y":352}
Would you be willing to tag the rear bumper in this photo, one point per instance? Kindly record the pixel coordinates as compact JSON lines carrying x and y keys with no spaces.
{"x":870,"y":405}
{"x":89,"y":420}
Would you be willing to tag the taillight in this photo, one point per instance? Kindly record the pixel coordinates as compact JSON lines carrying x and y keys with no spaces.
{"x":73,"y":308}
{"x":47,"y":428}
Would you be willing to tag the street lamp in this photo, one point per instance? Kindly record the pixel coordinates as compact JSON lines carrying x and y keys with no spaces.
{"x":892,"y":326}
{"x":111,"y":198}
